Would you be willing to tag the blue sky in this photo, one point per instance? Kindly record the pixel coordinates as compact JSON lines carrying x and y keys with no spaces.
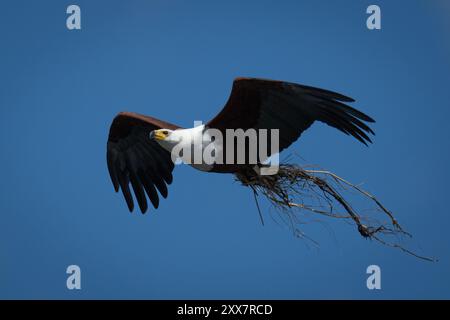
{"x":176,"y":60}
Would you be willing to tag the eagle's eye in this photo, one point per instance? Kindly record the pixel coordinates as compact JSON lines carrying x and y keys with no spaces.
{"x":165,"y":132}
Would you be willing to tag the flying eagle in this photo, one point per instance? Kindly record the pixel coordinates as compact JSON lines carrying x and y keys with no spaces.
{"x":139,"y":147}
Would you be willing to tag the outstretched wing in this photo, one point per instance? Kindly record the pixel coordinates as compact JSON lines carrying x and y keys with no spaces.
{"x":289,"y":107}
{"x":134,"y":158}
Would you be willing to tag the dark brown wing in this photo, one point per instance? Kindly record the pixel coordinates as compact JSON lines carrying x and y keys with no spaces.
{"x":134,"y":158}
{"x":289,"y":107}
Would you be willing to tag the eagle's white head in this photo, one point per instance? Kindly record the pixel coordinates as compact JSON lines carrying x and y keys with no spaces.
{"x":161,"y":134}
{"x":166,"y":138}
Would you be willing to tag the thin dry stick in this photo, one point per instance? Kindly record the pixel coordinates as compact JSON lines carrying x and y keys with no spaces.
{"x":292,"y":181}
{"x":337,"y":178}
{"x":257,"y":206}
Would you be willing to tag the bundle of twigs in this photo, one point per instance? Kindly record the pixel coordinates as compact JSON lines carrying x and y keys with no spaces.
{"x":293,"y":186}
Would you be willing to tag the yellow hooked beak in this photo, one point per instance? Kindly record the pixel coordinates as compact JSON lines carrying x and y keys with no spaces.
{"x":159,"y":134}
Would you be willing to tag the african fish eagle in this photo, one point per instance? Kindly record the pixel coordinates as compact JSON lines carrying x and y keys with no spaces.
{"x":138,"y":148}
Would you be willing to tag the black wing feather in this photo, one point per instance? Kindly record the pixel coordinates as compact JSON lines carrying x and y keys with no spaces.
{"x":133,"y":158}
{"x":292,"y":108}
